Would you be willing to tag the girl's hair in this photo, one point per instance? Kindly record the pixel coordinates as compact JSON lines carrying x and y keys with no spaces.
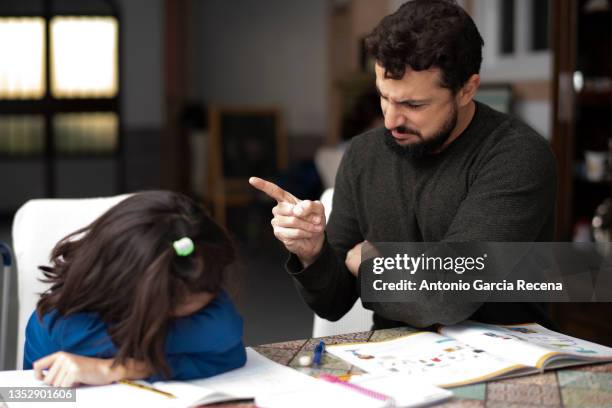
{"x":124,"y":268}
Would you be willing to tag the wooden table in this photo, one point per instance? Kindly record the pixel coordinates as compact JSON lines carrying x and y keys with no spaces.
{"x":587,"y":386}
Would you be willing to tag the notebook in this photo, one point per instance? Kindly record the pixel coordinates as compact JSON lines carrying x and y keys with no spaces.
{"x":187,"y":395}
{"x":374,"y":391}
{"x":472,"y":352}
{"x":269,"y":383}
{"x":275,"y":385}
{"x":406,"y":391}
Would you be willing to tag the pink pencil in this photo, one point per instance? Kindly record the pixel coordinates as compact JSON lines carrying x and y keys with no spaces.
{"x":335,"y":380}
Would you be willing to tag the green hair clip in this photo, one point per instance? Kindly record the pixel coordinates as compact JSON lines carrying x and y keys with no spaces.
{"x":183,"y":246}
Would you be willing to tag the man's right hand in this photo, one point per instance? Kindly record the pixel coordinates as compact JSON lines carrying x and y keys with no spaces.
{"x":298,"y":224}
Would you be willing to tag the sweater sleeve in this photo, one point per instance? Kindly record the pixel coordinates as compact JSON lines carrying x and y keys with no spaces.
{"x":81,"y":333}
{"x":188,"y":366}
{"x":38,"y":342}
{"x":327,"y":286}
{"x":512,"y":195}
{"x":214,"y":328}
{"x":206,"y":343}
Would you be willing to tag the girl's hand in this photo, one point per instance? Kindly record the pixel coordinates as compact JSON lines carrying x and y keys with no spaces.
{"x":67,"y":370}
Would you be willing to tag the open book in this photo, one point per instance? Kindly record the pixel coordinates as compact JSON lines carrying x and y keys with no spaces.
{"x":274,"y":385}
{"x":472,"y":352}
{"x":183,"y":394}
{"x":270,"y":384}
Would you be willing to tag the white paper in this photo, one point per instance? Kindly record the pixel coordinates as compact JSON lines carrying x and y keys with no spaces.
{"x":270,"y":383}
{"x":407,"y":391}
{"x":25,"y":378}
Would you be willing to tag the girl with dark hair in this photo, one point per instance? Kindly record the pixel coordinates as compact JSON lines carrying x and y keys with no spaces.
{"x":137,"y":294}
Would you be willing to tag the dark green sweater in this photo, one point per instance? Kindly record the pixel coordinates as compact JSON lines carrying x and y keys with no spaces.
{"x":495,"y":182}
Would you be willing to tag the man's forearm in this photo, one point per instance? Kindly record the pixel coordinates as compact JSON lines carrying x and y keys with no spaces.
{"x":325,"y":285}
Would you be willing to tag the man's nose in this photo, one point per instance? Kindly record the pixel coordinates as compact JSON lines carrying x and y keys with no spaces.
{"x":393,"y":117}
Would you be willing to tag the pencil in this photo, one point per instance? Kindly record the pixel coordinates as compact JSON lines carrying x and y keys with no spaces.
{"x":365,"y":391}
{"x":147,"y":387}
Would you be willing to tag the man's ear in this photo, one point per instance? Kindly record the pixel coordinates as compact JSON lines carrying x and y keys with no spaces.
{"x":466,"y":94}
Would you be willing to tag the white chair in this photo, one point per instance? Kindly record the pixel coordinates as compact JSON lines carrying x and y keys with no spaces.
{"x":7,"y":261}
{"x":358,"y":318}
{"x":37,"y":227}
{"x":327,"y":160}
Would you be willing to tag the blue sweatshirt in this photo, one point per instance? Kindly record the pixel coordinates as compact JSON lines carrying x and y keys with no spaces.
{"x":203,"y":344}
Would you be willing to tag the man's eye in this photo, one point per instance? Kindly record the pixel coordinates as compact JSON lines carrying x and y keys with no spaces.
{"x":413,"y":106}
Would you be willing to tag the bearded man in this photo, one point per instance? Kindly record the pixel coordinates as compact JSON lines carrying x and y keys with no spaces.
{"x":444,"y":168}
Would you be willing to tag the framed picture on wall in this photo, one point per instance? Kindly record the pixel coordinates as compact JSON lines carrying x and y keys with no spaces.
{"x":244,"y":142}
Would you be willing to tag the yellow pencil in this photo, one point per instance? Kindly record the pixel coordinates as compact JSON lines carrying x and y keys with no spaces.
{"x":345,"y":377}
{"x":147,"y":387}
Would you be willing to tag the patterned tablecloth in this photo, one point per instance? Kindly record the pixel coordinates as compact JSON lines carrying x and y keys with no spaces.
{"x":586,"y":386}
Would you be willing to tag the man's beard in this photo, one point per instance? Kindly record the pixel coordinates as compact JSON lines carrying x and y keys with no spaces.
{"x":424,"y":146}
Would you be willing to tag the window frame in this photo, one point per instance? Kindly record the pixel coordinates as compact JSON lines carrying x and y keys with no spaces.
{"x":524,"y":63}
{"x":48,"y":106}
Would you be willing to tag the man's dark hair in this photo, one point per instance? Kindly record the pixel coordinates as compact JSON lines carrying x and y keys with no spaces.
{"x":425,"y":34}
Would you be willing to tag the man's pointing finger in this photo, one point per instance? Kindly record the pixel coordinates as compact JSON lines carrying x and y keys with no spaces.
{"x":273,"y":190}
